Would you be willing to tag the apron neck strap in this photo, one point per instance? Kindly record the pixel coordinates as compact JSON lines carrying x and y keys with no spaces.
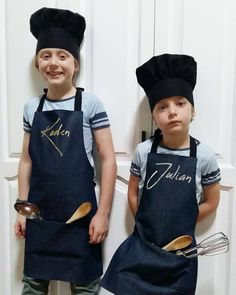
{"x":40,"y":106}
{"x":78,"y":100}
{"x":158,"y":137}
{"x":193,"y":147}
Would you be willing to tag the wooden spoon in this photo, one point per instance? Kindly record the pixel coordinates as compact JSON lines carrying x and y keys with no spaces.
{"x":178,"y":243}
{"x":82,"y":211}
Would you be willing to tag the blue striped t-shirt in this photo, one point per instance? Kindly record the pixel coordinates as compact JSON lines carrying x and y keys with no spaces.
{"x":207,"y":171}
{"x":94,"y":115}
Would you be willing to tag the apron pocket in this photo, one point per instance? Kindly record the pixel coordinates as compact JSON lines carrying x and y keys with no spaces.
{"x":51,"y":238}
{"x":150,"y":265}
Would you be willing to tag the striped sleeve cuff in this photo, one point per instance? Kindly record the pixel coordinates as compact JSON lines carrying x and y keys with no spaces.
{"x":211,"y":177}
{"x":135,"y":170}
{"x":99,"y":121}
{"x":26,"y":126}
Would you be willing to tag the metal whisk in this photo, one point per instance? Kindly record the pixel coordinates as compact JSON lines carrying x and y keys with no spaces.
{"x":215,"y":244}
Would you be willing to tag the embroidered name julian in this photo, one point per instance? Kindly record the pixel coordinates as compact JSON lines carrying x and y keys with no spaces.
{"x":173,"y":175}
{"x":55,"y":130}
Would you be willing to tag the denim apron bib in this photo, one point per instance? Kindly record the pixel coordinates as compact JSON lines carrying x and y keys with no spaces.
{"x":61,"y":180}
{"x":168,"y":209}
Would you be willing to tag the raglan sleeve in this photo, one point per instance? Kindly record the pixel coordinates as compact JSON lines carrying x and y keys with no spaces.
{"x":26,"y":118}
{"x":98,"y":117}
{"x":210,"y":168}
{"x":135,"y":167}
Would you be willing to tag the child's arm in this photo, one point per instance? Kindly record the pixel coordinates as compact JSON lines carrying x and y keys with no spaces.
{"x":24,"y":172}
{"x":133,"y":189}
{"x":98,"y":229}
{"x":211,"y":200}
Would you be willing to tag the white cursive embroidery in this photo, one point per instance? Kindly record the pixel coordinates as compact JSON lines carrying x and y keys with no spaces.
{"x":175,"y":175}
{"x":57,"y":131}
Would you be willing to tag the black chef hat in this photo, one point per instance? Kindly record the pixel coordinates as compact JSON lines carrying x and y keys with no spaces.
{"x":168,"y":75}
{"x":57,"y":28}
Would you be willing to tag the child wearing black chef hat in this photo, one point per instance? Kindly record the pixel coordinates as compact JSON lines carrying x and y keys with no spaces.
{"x":174,"y":183}
{"x":56,"y":169}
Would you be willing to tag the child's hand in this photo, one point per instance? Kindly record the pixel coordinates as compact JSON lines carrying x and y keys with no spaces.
{"x":98,"y":228}
{"x":19,"y":226}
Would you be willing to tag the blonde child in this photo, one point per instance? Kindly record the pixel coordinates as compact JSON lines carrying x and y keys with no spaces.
{"x":56,"y":167}
{"x":174,"y":183}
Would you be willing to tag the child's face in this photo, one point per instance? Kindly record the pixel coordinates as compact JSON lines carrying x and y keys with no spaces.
{"x":173,"y":114}
{"x":56,"y":66}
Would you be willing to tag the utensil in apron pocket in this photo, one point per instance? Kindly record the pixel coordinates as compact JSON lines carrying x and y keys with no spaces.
{"x":31,"y":211}
{"x":215,"y":244}
{"x":81,"y":212}
{"x":178,"y":243}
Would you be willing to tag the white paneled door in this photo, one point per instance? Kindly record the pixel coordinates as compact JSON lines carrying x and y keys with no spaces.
{"x":121,"y":35}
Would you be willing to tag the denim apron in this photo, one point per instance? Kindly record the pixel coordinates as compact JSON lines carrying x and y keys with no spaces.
{"x":168,"y":208}
{"x":61,"y":180}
